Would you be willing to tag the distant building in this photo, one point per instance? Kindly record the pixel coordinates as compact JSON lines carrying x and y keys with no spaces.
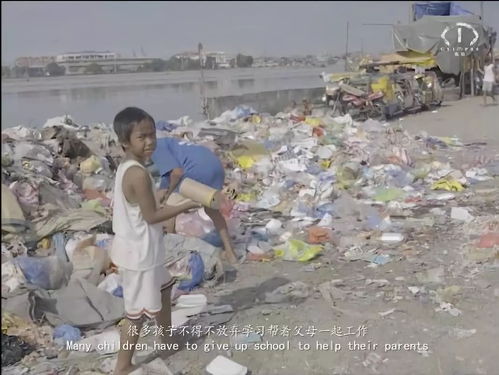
{"x":85,"y":56}
{"x":211,"y":60}
{"x":108,"y":62}
{"x":34,"y":62}
{"x":33,"y":66}
{"x":222,"y":60}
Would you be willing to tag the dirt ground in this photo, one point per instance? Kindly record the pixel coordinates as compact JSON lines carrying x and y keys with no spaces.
{"x":467,"y":119}
{"x":456,"y":345}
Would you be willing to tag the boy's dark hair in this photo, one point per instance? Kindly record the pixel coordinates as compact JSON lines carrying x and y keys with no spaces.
{"x":125,"y":120}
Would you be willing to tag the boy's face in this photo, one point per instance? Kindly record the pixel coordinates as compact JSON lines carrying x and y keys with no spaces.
{"x":142,"y":140}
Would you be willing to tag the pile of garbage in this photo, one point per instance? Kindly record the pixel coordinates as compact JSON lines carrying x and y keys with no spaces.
{"x":381,"y":96}
{"x":301,"y":185}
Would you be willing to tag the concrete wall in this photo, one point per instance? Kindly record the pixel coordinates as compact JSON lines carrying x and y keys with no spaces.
{"x":264,"y":102}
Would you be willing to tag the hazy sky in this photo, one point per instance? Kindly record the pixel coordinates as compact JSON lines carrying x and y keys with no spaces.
{"x":165,"y":28}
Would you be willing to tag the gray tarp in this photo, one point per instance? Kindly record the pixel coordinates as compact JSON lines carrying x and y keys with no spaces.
{"x":80,"y":304}
{"x":425,"y":36}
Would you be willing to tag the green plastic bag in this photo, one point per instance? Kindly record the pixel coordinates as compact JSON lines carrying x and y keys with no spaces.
{"x":387,"y":195}
{"x":296,"y":250}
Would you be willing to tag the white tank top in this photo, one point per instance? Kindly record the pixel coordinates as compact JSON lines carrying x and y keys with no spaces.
{"x":137,"y":245}
{"x":489,"y":73}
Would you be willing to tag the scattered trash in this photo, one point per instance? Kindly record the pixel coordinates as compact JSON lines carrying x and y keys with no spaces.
{"x":448,"y":307}
{"x":459,"y":333}
{"x":299,"y":183}
{"x":65,"y":333}
{"x":318,"y":235}
{"x":462,"y":214}
{"x":196,"y":270}
{"x":14,"y":349}
{"x":487,"y":241}
{"x":224,"y":366}
{"x":392,"y":237}
{"x":387,"y":195}
{"x":386,"y":313}
{"x":46,"y":272}
{"x":294,"y":291}
{"x":156,"y":366}
{"x":104,"y":343}
{"x":251,"y":338}
{"x":447,"y":185}
{"x":296,"y":250}
{"x":111,"y":283}
{"x":414,"y":290}
{"x":330,"y":293}
{"x":434,"y":275}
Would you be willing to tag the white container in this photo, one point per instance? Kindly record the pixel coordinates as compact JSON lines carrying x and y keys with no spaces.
{"x":392,"y":237}
{"x":224,"y":366}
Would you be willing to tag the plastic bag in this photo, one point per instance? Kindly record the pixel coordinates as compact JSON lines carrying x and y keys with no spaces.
{"x":193,"y":225}
{"x":12,"y":277}
{"x":65,"y":333}
{"x":111,"y":283}
{"x":318,"y":235}
{"x":48,"y":272}
{"x":97,"y":182}
{"x":104,"y":343}
{"x":90,"y":165}
{"x":449,"y":185}
{"x":245,"y":162}
{"x":94,"y":205}
{"x":296,"y":250}
{"x":196,"y":268}
{"x":27,"y":193}
{"x":213,"y":238}
{"x":386,"y":195}
{"x":313,"y":121}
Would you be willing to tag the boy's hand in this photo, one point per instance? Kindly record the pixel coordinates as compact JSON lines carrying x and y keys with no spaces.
{"x":175,"y":176}
{"x":161,"y":195}
{"x":190,"y":205}
{"x":194,"y":205}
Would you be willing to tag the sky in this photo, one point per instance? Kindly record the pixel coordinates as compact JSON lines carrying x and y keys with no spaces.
{"x":162,"y":29}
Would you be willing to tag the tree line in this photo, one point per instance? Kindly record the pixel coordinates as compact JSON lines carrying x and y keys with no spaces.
{"x":174,"y":63}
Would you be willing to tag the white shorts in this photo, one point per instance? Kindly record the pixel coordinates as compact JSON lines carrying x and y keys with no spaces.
{"x":488,"y":86}
{"x":142,"y":291}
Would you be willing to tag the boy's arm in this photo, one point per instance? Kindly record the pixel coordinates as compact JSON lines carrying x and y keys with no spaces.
{"x":137,"y":181}
{"x":175,"y":177}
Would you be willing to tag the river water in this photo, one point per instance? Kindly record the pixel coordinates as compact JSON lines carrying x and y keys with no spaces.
{"x":166,"y":96}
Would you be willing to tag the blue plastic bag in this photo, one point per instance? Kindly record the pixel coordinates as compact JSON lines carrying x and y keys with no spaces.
{"x":166,"y":126}
{"x":118,"y":292}
{"x":213,"y":238}
{"x":59,"y":241}
{"x":48,"y":272}
{"x":65,"y":333}
{"x":196,"y":266}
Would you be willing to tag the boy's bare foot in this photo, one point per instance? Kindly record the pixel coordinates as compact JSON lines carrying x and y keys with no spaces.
{"x":125,"y":370}
{"x":229,"y":257}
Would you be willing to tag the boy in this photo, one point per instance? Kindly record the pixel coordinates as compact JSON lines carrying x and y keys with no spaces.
{"x":176,"y":159}
{"x":489,"y":79}
{"x":138,"y":248}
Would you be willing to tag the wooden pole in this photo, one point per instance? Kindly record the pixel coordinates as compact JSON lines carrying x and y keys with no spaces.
{"x":472,"y":75}
{"x":461,"y":78}
{"x":346,"y":48}
{"x":204,"y":105}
